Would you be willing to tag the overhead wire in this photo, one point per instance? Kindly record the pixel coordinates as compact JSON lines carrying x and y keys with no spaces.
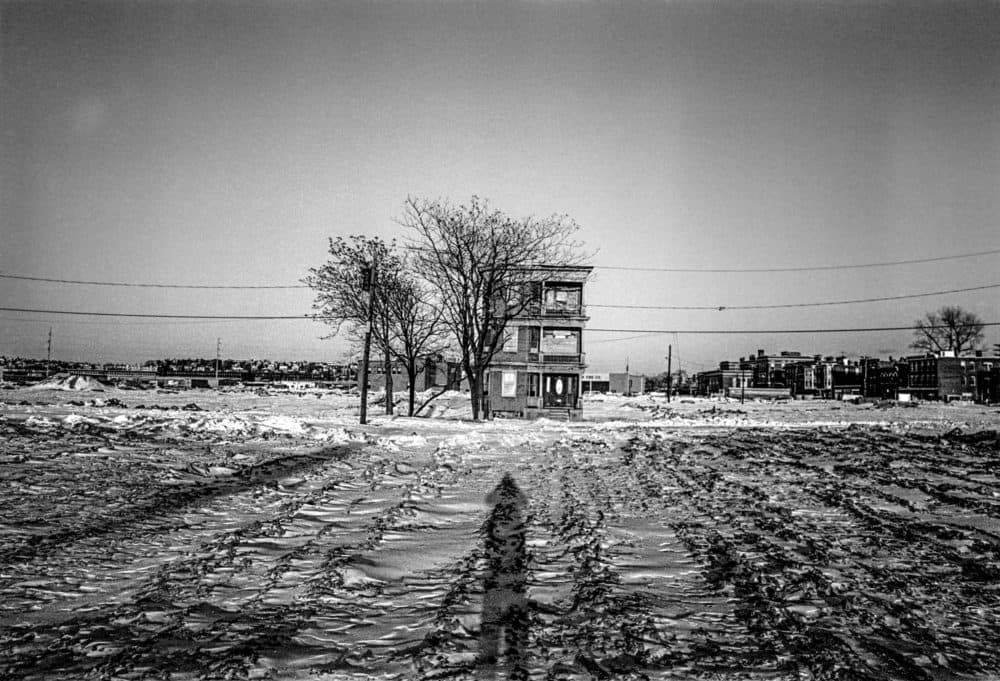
{"x":613,"y":306}
{"x":113,"y":322}
{"x":776,"y":306}
{"x":717,"y":270}
{"x":775,"y":331}
{"x":813,"y":268}
{"x":151,"y":315}
{"x":148,"y":315}
{"x":130,"y":284}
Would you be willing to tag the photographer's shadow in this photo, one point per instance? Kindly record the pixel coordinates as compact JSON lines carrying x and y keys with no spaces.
{"x":505,"y":603}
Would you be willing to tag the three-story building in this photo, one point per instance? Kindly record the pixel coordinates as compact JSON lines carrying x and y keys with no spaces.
{"x":539,"y":369}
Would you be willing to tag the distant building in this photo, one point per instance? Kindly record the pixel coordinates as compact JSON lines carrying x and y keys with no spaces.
{"x":540,"y":366}
{"x":728,"y":377}
{"x":945,"y":377}
{"x":824,"y":377}
{"x":624,"y":383}
{"x":770,"y":371}
{"x":881,"y":378}
{"x":432,"y":372}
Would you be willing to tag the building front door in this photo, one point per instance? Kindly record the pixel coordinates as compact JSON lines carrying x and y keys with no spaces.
{"x":559,"y":390}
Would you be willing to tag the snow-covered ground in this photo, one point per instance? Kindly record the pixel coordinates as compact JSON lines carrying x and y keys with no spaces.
{"x":205,"y":534}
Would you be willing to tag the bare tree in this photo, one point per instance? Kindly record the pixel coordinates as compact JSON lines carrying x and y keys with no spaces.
{"x":406,"y":325}
{"x":340,"y":291}
{"x":416,"y":327}
{"x":950,"y":328}
{"x":480,"y":263}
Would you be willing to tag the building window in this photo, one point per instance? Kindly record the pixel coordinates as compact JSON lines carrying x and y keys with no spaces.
{"x":562,"y":298}
{"x":510,"y":340}
{"x":531,"y":385}
{"x":534,"y":338}
{"x":508,"y":384}
{"x":561,"y":341}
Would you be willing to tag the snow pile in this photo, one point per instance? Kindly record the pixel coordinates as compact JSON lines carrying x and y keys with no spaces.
{"x":336,"y":436}
{"x":225,"y":425}
{"x":449,"y":405}
{"x":394,"y":443}
{"x":69,"y":382}
{"x":213,"y":425}
{"x":39,"y":423}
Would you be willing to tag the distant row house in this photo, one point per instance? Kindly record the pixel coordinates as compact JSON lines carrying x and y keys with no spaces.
{"x":945,"y":376}
{"x":941,"y":376}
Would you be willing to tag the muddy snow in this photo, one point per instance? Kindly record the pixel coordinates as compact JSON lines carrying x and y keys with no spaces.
{"x":207,"y":535}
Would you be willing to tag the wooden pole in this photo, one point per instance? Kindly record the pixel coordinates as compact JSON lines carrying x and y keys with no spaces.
{"x":670,"y":353}
{"x":368,"y":275}
{"x":388,"y":363}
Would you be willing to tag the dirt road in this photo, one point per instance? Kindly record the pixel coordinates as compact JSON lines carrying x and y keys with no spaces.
{"x":649,"y":553}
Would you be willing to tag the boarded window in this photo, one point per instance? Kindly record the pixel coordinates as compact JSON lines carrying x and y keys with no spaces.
{"x":562,"y":298}
{"x":561,"y":341}
{"x":508,"y":385}
{"x":510,"y":339}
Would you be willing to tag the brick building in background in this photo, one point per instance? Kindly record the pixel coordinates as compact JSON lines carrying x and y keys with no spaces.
{"x":945,"y":377}
{"x":729,"y":378}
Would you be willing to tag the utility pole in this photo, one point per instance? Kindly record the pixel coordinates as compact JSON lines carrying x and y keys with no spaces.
{"x":743,"y":382}
{"x":48,"y":356}
{"x":218,"y":349}
{"x":388,"y":362}
{"x":670,"y":353}
{"x":368,"y":285}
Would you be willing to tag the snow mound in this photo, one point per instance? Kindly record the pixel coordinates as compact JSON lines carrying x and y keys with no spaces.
{"x":449,"y":405}
{"x":394,"y":443}
{"x":69,"y":382}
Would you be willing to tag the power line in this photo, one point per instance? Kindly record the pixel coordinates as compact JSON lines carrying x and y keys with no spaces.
{"x":141,"y":315}
{"x":722,"y":308}
{"x":719,"y":308}
{"x":816,"y":268}
{"x":717,"y":270}
{"x":320,"y":318}
{"x":616,"y":340}
{"x":113,"y":323}
{"x":157,"y":285}
{"x":766,"y":331}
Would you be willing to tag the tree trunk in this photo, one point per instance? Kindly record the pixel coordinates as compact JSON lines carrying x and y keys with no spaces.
{"x":476,"y":394}
{"x":388,"y":382}
{"x":411,"y":372}
{"x":479,"y":407}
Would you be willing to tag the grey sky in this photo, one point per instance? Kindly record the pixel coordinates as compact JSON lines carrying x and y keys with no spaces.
{"x":223,"y":142}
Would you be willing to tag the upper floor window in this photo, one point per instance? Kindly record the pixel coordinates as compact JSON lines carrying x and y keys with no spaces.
{"x":561,"y":341}
{"x":563,"y":298}
{"x":510,"y":339}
